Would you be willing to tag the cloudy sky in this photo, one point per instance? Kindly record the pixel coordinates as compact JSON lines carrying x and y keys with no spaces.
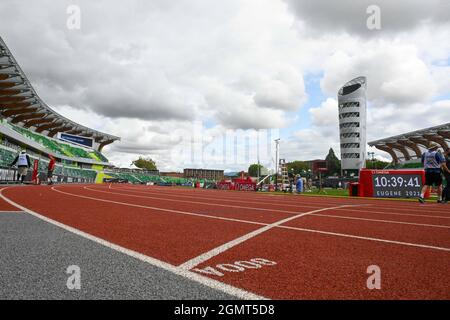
{"x":164,"y":75}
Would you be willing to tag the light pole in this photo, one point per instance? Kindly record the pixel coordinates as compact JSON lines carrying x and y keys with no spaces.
{"x":277,"y":142}
{"x":372,"y":158}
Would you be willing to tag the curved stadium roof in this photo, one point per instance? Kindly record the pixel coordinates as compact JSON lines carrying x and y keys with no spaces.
{"x":409,"y":146}
{"x":20,"y":104}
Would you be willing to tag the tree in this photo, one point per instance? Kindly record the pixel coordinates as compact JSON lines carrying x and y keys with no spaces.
{"x":333,"y":163}
{"x":298,"y":167}
{"x":376,"y":164}
{"x":253,"y":170}
{"x":145,"y":163}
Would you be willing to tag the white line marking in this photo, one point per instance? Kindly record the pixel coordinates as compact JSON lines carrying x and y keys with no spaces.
{"x":189,"y":201}
{"x":408,"y":205}
{"x":264,"y":224}
{"x":368,"y":238}
{"x":188,"y":265}
{"x":214,"y":284}
{"x":276,"y":204}
{"x":160,"y":209}
{"x":214,"y":198}
{"x":383,"y":221}
{"x":275,"y":210}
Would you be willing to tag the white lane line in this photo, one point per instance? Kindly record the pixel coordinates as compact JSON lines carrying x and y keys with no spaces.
{"x":284,"y":204}
{"x":195,"y":202}
{"x":282,"y":211}
{"x":263,"y":209}
{"x":289,"y":201}
{"x":400,"y":214}
{"x":367,"y":238}
{"x":263,"y":224}
{"x":188,"y":265}
{"x":214,"y":198}
{"x":383,"y":221}
{"x":160,"y":209}
{"x":211,"y":283}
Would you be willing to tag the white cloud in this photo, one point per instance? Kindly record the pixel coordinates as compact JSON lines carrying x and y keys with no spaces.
{"x":145,"y":69}
{"x":395,"y":74}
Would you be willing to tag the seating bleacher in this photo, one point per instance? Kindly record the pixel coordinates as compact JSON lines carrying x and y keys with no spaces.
{"x":60,"y":147}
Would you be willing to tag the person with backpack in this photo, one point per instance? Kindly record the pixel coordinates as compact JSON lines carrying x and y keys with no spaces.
{"x":433,"y":162}
{"x":23,"y":164}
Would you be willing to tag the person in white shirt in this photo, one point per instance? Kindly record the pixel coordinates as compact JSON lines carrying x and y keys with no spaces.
{"x":23,"y":164}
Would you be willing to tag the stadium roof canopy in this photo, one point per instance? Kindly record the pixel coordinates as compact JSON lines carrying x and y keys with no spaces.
{"x":410,"y":146}
{"x":20,"y":104}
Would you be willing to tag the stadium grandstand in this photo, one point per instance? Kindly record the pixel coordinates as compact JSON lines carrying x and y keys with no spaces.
{"x":27,"y":122}
{"x":406,"y":149}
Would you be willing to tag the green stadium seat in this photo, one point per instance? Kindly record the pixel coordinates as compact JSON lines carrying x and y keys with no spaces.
{"x":60,"y":147}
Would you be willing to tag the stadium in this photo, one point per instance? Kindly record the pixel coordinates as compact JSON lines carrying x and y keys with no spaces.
{"x":406,"y":149}
{"x":91,"y":230}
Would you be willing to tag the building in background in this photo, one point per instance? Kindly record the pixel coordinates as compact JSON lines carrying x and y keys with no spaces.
{"x":204,"y":174}
{"x":352,"y":125}
{"x":172,"y":174}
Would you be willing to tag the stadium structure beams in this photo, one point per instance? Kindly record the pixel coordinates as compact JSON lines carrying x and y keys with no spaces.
{"x":6,"y":92}
{"x":35,"y":122}
{"x":49,"y":126}
{"x":17,"y":93}
{"x":7,"y":85}
{"x":401,"y":148}
{"x":15,"y":105}
{"x":76,"y":132}
{"x":30,"y":116}
{"x":388,"y":150}
{"x":412,"y":144}
{"x":420,"y":141}
{"x":444,"y":133}
{"x":10,"y":98}
{"x":14,"y":112}
{"x":52,"y":132}
{"x":438,"y":139}
{"x":103,"y":144}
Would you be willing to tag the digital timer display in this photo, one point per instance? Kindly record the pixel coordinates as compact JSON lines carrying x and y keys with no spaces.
{"x":397,"y":185}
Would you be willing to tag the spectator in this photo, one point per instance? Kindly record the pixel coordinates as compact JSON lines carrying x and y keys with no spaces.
{"x":51,"y":167}
{"x":432,"y":161}
{"x":299,"y":184}
{"x":446,"y":169}
{"x":23,"y":164}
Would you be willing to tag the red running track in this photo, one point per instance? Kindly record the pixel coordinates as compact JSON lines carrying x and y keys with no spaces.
{"x":308,"y":247}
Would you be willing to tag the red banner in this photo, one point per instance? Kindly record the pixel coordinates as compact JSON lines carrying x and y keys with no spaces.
{"x":34,"y":177}
{"x":237,"y":184}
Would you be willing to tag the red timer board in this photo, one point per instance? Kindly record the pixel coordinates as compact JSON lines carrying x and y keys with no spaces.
{"x":391,"y":183}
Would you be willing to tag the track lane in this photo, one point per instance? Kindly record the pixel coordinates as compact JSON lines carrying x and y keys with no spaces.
{"x":317,"y":266}
{"x":316,"y":271}
{"x":357,"y":213}
{"x":6,"y":207}
{"x":298,"y":200}
{"x":210,"y":209}
{"x":427,"y":235}
{"x":348,"y":235}
{"x":170,"y":237}
{"x":414,"y":234}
